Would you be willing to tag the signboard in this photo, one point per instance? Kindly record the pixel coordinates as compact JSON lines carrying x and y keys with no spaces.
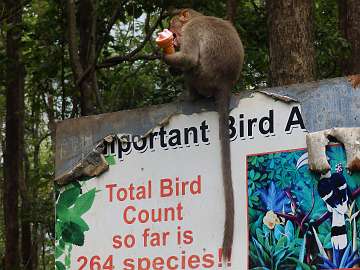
{"x":161,"y":203}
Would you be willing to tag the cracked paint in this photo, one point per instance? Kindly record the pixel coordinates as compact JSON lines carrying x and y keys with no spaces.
{"x":92,"y":165}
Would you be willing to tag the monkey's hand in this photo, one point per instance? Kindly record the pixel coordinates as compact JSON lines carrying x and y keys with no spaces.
{"x":355,"y":80}
{"x":180,"y":61}
{"x":172,"y":70}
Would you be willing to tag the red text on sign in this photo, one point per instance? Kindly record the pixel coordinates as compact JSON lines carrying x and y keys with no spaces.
{"x":132,"y":215}
{"x":95,"y":263}
{"x":170,"y":187}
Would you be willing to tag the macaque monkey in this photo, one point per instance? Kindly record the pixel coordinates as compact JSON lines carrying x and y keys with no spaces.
{"x":210,"y":56}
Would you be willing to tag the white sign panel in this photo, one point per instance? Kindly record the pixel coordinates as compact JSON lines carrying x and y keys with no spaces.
{"x":161,"y":203}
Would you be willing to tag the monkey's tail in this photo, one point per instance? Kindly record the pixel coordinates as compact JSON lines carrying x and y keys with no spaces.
{"x":223,"y":102}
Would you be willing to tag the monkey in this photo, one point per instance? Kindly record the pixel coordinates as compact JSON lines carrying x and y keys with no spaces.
{"x":210,"y":55}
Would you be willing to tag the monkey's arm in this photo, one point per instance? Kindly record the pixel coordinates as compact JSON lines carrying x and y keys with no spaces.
{"x":188,"y":56}
{"x":181,"y":60}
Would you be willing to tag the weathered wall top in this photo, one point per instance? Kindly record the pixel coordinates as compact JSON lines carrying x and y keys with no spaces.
{"x":325,"y":104}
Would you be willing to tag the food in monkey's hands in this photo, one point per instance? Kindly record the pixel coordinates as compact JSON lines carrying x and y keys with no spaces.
{"x":165,"y":40}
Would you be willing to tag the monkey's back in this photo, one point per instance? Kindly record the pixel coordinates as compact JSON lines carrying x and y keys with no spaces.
{"x":220,"y":53}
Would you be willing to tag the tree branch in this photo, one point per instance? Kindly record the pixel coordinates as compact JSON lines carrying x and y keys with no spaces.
{"x":127,"y":58}
{"x":112,"y":61}
{"x":115,"y":16}
{"x":356,"y":193}
{"x":123,"y":80}
{"x":112,"y":21}
{"x":312,"y":208}
{"x":256,"y":8}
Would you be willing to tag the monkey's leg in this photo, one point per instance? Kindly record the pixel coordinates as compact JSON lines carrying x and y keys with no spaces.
{"x":187,"y":95}
{"x":193,"y":93}
{"x":190,"y":93}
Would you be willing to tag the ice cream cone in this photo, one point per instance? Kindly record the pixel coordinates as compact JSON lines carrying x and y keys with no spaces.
{"x":165,"y":41}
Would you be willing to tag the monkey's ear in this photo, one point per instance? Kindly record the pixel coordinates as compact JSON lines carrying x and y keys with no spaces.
{"x":184,"y":15}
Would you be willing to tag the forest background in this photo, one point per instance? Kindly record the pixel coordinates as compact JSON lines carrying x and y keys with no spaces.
{"x":63,"y":59}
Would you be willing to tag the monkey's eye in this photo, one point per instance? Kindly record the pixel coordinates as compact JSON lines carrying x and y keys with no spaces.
{"x":174,"y":35}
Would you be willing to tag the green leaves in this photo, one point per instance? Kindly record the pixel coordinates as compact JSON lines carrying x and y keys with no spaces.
{"x":81,"y":223}
{"x":72,"y":233}
{"x":68,"y":197}
{"x":289,"y":231}
{"x":110,"y":160}
{"x":59,"y":265}
{"x":272,"y":249}
{"x":84,"y":202}
{"x":70,"y":226}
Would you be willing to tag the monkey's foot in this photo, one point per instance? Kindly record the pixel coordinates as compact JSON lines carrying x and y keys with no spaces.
{"x":354,"y":80}
{"x":184,"y":96}
{"x":317,"y":141}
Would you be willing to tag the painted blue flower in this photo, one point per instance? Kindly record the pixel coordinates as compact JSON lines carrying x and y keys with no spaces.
{"x":346,"y":259}
{"x":275,"y":199}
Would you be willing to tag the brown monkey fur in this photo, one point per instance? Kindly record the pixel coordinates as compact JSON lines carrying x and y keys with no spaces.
{"x":211,"y":57}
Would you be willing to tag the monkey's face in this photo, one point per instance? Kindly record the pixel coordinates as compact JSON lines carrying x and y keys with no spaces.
{"x":176,"y":25}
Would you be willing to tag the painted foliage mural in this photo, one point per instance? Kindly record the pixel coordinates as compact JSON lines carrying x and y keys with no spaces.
{"x":72,"y":202}
{"x":70,"y":230}
{"x":299,"y":220}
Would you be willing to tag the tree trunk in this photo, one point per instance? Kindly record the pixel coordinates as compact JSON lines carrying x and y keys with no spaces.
{"x":26,"y":243}
{"x":87,"y":49}
{"x":35,"y":246}
{"x":231,"y":7}
{"x":14,"y":134}
{"x":291,"y":41}
{"x":43,"y":248}
{"x":82,"y":56}
{"x":349,"y":18}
